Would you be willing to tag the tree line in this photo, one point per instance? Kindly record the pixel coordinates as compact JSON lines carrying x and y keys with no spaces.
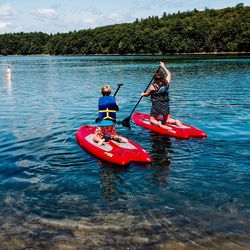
{"x":223,"y":30}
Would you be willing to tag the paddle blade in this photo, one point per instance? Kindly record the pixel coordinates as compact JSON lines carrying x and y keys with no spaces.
{"x":126,"y":122}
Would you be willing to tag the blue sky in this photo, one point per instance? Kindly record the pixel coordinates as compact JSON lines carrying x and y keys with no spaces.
{"x":52,"y":16}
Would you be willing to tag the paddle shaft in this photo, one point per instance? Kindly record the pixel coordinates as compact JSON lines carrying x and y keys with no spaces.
{"x":142,"y":96}
{"x":118,"y":87}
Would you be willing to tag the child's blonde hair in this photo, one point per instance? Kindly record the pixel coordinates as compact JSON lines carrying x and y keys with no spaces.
{"x":106,"y":90}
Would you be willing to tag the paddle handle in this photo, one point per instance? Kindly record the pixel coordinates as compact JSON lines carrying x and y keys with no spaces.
{"x":119,"y":85}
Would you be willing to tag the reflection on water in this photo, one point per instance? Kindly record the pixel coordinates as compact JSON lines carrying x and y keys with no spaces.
{"x":8,"y":78}
{"x":9,"y":85}
{"x":161,"y":147}
{"x":55,"y":195}
{"x":109,"y":181}
{"x":8,"y":72}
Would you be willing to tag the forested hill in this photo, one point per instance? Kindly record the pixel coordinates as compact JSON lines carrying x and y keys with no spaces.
{"x":224,"y":30}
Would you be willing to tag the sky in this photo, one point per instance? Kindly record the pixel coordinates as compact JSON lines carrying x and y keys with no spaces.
{"x":53,"y":16}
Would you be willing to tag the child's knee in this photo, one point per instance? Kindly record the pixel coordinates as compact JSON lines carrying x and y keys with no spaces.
{"x":96,"y":138}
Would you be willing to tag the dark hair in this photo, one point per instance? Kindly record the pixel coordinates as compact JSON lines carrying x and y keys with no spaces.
{"x":159,"y":76}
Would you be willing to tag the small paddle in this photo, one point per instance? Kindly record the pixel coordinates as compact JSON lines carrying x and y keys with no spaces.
{"x":126,"y":121}
{"x":118,"y":87}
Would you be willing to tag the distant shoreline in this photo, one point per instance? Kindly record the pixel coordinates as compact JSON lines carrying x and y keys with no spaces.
{"x":155,"y":54}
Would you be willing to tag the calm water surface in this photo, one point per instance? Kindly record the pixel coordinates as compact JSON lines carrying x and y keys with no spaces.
{"x":54,"y":195}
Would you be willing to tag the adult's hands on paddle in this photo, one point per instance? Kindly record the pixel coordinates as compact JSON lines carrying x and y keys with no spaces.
{"x":118,"y":87}
{"x":126,"y":121}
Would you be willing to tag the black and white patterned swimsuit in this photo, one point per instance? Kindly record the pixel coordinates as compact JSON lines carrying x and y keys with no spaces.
{"x":160,"y":101}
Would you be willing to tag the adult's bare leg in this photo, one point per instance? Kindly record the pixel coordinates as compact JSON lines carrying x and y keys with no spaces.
{"x":170,"y":120}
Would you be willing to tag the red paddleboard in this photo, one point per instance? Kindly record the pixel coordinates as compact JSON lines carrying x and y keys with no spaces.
{"x":119,"y":153}
{"x":184,"y":132}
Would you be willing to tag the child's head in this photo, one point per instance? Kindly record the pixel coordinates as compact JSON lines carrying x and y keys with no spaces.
{"x":160,"y":78}
{"x":106,"y":90}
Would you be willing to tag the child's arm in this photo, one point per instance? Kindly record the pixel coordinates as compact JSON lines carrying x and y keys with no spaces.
{"x":149,"y":92}
{"x":168,"y":77}
{"x":117,"y":106}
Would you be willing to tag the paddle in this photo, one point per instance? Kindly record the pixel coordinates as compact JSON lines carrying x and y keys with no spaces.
{"x":126,"y":121}
{"x":118,"y":87}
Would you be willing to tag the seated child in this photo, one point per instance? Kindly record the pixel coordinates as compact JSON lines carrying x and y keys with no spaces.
{"x":107,"y":117}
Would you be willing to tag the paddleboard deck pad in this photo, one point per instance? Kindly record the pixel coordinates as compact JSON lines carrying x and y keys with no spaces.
{"x":115,"y":152}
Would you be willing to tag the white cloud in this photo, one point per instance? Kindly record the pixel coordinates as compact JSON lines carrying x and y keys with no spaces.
{"x":4,"y":25}
{"x":89,"y":21}
{"x":6,"y":10}
{"x":115,"y":17}
{"x":46,"y":13}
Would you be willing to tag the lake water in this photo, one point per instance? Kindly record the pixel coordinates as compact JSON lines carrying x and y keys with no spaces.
{"x":54,"y":195}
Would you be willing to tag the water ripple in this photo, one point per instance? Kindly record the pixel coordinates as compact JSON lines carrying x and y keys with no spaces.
{"x":55,"y":195}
